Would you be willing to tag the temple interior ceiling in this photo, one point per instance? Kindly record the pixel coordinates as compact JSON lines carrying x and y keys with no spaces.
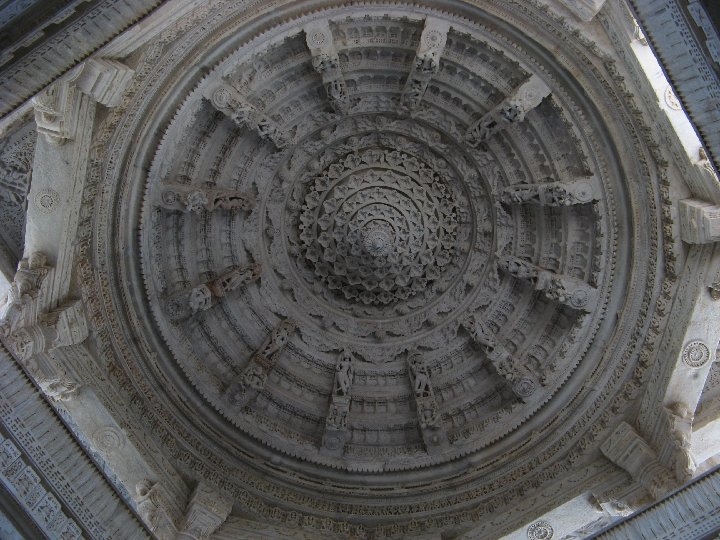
{"x":385,"y":250}
{"x":373,"y":268}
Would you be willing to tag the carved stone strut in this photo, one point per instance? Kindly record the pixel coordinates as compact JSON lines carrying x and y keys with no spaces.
{"x":207,"y":510}
{"x":184,"y":304}
{"x":194,"y":199}
{"x":519,"y":378}
{"x":426,"y":63}
{"x":230,"y":102}
{"x":252,"y":380}
{"x":581,"y":191}
{"x":326,"y":62}
{"x":336,"y":432}
{"x":563,"y":289}
{"x":511,"y":110}
{"x":429,"y":417}
{"x":629,"y":451}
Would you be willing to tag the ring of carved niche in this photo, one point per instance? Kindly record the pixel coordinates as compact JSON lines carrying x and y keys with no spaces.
{"x":378,"y":231}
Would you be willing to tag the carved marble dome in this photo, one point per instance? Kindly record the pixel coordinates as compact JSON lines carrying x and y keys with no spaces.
{"x":381,"y":262}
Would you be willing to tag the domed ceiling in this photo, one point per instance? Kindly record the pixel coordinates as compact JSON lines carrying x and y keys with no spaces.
{"x":379,"y":262}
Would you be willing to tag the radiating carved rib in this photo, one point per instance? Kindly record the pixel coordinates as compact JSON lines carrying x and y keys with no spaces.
{"x":326,"y":62}
{"x":552,"y":193}
{"x":511,"y":111}
{"x":429,"y":418}
{"x":254,"y":376}
{"x":563,"y":289}
{"x":336,"y":432}
{"x":426,"y":63}
{"x":184,"y":304}
{"x":519,"y":378}
{"x":194,"y":199}
{"x":230,"y":102}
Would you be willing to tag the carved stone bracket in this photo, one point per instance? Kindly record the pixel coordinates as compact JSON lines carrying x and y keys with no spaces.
{"x":511,"y":111}
{"x":152,"y":505}
{"x":19,"y":301}
{"x":581,"y":191}
{"x":427,"y":61}
{"x":194,"y":199}
{"x":62,"y":327}
{"x":184,"y":304}
{"x":336,"y":432}
{"x":519,"y":378}
{"x":230,"y":102}
{"x":699,"y":221}
{"x":677,"y":452}
{"x":326,"y":62}
{"x":207,"y":510}
{"x":429,"y":417}
{"x":254,"y":376}
{"x":56,"y":109}
{"x":629,"y":451}
{"x":566,"y":290}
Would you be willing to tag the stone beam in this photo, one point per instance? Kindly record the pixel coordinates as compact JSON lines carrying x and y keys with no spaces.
{"x":207,"y":510}
{"x":566,"y":290}
{"x":582,"y":191}
{"x":699,"y":221}
{"x":184,"y":304}
{"x":336,"y":433}
{"x":253,"y":377}
{"x":585,"y":10}
{"x":426,"y":63}
{"x":195,"y":199}
{"x":510,"y":111}
{"x":686,"y":353}
{"x":235,"y":106}
{"x":326,"y":62}
{"x":519,"y":378}
{"x":629,"y":451}
{"x":429,"y":417}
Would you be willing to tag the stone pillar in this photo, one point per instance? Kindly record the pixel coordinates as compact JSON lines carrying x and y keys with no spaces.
{"x":699,"y":221}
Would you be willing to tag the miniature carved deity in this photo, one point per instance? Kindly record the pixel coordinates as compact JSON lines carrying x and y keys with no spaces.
{"x":344,"y":375}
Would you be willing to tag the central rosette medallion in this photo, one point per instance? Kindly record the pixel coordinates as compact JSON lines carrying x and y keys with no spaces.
{"x":378,"y":227}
